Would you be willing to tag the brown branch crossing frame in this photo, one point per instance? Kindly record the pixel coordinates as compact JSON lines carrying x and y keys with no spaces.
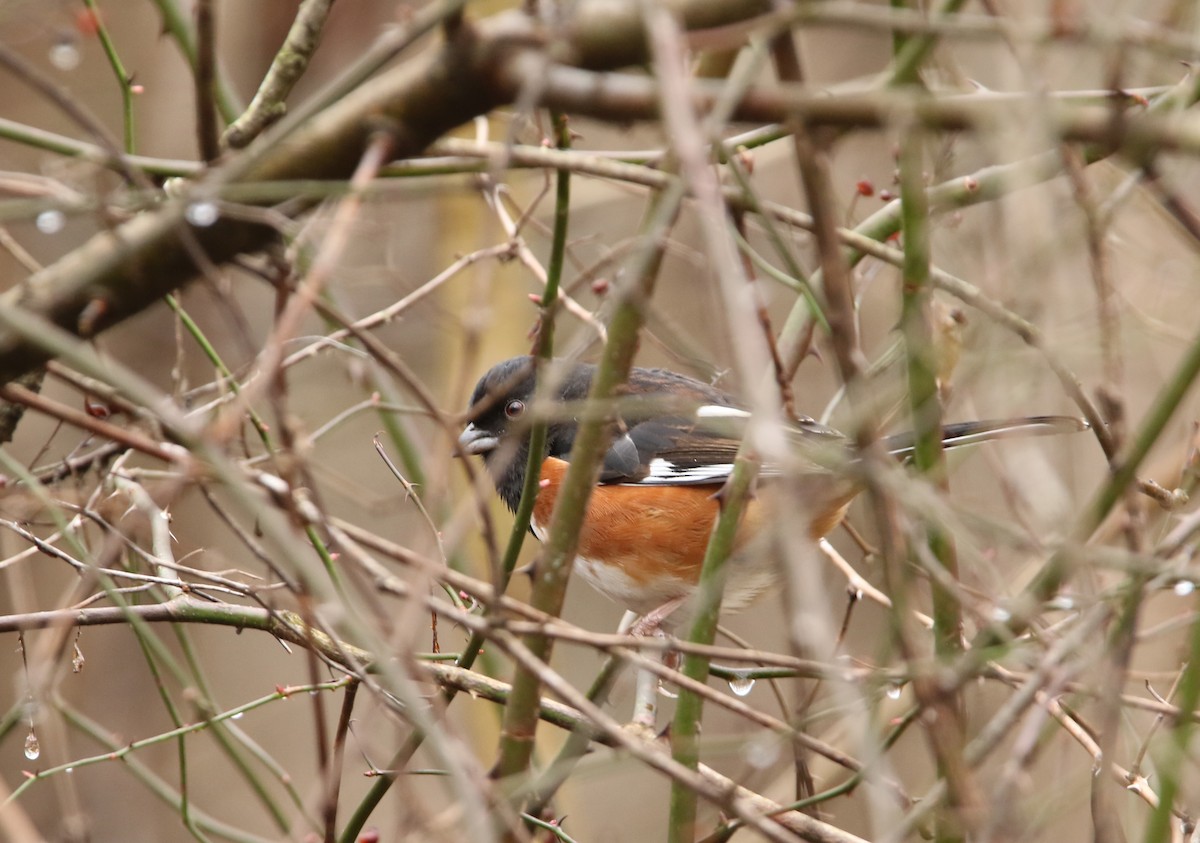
{"x":484,"y":65}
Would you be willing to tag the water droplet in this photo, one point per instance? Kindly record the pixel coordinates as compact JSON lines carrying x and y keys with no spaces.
{"x":741,"y":685}
{"x":69,"y":770}
{"x":32,"y":748}
{"x":65,"y":55}
{"x":894,"y":691}
{"x":238,"y":716}
{"x":1001,"y":615}
{"x":202,"y":214}
{"x":50,"y":222}
{"x":1061,"y":603}
{"x":1184,"y":587}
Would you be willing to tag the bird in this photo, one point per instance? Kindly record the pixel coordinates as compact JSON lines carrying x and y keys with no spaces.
{"x":674,"y":443}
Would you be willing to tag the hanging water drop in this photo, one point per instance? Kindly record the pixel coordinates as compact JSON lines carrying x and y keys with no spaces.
{"x":238,"y":716}
{"x":894,"y":691}
{"x":1184,"y":587}
{"x":202,"y":214}
{"x":65,"y":55}
{"x":50,"y":222}
{"x":741,"y":685}
{"x":32,"y":748}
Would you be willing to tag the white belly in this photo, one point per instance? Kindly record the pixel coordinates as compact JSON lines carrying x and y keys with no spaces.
{"x":751,"y":575}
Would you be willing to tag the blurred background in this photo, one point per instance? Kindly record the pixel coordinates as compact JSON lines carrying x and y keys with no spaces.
{"x":1028,"y":250}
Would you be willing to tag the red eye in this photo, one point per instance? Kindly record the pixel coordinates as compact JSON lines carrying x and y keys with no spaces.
{"x":514,"y":408}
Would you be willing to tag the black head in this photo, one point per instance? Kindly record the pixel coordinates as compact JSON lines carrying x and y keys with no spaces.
{"x":499,"y":428}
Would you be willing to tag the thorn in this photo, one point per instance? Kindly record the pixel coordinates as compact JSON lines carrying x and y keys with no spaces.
{"x":87,"y":22}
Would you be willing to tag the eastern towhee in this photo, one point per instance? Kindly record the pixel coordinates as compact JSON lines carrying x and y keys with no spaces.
{"x":674,"y":443}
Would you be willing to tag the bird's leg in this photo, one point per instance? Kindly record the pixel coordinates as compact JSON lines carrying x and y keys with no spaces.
{"x":645,"y":702}
{"x":651,"y":622}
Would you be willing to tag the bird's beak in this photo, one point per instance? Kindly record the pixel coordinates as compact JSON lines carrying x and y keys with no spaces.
{"x":475,"y":440}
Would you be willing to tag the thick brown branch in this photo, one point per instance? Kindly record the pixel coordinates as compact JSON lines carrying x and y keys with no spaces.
{"x":121,"y":272}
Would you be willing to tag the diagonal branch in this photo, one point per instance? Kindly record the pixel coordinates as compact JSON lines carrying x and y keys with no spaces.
{"x":482,"y":66}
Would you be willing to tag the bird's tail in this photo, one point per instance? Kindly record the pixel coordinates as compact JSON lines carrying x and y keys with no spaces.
{"x":960,"y":434}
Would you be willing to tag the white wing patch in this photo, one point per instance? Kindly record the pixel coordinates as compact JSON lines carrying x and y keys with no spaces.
{"x":716,"y":411}
{"x":666,"y":473}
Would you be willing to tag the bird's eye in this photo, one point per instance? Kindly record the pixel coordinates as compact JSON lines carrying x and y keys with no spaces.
{"x":514,"y":408}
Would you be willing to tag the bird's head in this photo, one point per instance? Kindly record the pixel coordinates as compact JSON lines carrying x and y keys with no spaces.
{"x":499,"y":425}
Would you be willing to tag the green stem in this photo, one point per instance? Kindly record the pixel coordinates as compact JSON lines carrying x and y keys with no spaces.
{"x":928,"y":458}
{"x":179,"y":27}
{"x":173,"y":713}
{"x":123,"y":79}
{"x":63,"y":145}
{"x":122,"y":752}
{"x":152,"y":781}
{"x":520,"y":716}
{"x":1055,"y":572}
{"x":915,"y":49}
{"x":985,"y":185}
{"x":327,"y":560}
{"x":227,"y":736}
{"x":553,"y":777}
{"x":1158,"y":827}
{"x":543,"y":351}
{"x":210,"y":352}
{"x":796,"y":275}
{"x":685,"y":728}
